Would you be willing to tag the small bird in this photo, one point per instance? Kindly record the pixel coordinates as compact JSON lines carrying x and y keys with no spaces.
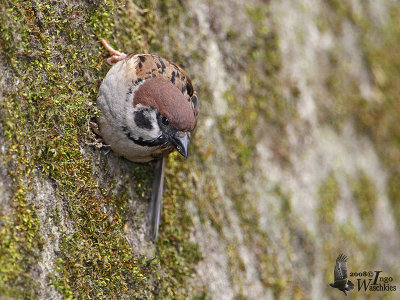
{"x":340,"y":275}
{"x":148,"y":108}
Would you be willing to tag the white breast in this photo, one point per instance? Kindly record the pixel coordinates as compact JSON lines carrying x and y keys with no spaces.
{"x":115,"y":102}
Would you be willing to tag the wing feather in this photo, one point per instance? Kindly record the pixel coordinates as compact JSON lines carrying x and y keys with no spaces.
{"x":340,"y":271}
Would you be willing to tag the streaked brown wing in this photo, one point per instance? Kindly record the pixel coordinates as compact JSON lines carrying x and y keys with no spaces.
{"x":340,"y":271}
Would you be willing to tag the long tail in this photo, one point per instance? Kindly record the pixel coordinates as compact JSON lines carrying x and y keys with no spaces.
{"x":156,"y":197}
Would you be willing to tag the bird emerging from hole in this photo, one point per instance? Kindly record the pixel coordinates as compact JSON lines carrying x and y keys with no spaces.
{"x":340,"y":275}
{"x":148,"y":108}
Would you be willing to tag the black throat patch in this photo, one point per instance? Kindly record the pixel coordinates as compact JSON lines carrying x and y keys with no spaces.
{"x":140,"y":141}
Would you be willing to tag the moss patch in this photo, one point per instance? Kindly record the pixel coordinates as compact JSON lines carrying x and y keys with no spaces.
{"x":253,"y":101}
{"x":338,"y":237}
{"x":56,"y":63}
{"x":20,"y":245}
{"x":376,"y":116}
{"x":329,"y":195}
{"x":364,"y":193}
{"x":176,"y":253}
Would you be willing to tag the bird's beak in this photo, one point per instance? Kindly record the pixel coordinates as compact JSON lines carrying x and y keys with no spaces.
{"x":181,"y":143}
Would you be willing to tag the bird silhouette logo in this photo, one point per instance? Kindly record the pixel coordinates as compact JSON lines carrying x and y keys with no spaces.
{"x":340,"y":275}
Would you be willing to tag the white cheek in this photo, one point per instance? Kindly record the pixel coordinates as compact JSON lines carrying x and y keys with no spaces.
{"x":138,"y":132}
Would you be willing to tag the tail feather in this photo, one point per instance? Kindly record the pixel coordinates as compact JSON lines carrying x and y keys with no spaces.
{"x":351,"y":285}
{"x":156,"y":197}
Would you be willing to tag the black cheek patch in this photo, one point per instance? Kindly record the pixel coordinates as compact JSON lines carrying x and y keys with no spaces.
{"x":142,"y":121}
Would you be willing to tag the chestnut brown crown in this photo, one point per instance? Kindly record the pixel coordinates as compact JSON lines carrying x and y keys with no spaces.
{"x":164,"y":96}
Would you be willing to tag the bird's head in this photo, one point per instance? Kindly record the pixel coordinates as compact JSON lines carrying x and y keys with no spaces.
{"x":162,"y":115}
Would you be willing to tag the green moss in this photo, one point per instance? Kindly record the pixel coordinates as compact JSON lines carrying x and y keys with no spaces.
{"x":270,"y":266}
{"x":328,"y":195}
{"x":236,"y":269}
{"x":176,"y":253}
{"x":20,"y":245}
{"x":380,"y":118}
{"x":394,"y":193}
{"x":260,"y":100}
{"x":255,"y":101}
{"x":376,"y":116}
{"x":364,"y":193}
{"x":342,"y":237}
{"x":337,"y":237}
{"x":56,"y":63}
{"x":345,"y":239}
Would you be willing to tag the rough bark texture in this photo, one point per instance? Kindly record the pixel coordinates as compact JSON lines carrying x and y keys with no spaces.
{"x":296,"y":157}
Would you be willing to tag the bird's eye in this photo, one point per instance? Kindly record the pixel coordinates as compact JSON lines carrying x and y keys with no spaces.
{"x":165,"y":120}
